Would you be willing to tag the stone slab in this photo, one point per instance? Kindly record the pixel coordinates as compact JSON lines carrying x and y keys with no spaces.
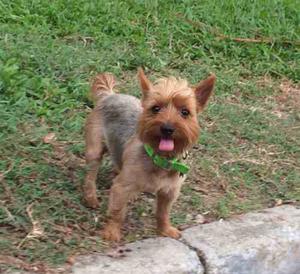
{"x":151,"y":256}
{"x":265,"y":242}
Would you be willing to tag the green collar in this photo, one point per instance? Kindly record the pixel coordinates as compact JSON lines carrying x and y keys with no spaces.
{"x":169,"y":164}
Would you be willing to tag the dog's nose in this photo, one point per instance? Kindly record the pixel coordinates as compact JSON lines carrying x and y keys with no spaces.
{"x":167,"y":130}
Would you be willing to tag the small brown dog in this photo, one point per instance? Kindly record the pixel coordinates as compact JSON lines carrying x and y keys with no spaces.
{"x":143,"y":139}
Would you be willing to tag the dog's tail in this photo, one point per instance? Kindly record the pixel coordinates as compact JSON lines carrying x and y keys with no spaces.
{"x":102,"y":85}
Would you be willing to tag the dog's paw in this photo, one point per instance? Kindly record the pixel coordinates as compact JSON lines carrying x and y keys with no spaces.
{"x":111,"y":233}
{"x":171,"y":232}
{"x":91,"y":201}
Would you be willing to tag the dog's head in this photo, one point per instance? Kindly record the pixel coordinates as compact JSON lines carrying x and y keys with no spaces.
{"x":169,"y":121}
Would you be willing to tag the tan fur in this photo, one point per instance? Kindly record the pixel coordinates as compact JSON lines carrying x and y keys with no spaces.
{"x":102,"y":85}
{"x":137,"y":172}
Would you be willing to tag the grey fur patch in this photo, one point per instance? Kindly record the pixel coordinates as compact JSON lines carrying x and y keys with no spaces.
{"x":120,"y":114}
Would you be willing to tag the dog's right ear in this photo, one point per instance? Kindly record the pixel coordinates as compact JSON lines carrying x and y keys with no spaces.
{"x":145,"y":83}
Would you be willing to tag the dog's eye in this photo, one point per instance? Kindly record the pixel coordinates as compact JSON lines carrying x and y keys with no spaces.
{"x":185,"y":112}
{"x":155,"y":109}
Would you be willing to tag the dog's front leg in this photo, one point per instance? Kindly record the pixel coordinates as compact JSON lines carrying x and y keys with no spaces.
{"x":165,"y":199}
{"x":120,"y":193}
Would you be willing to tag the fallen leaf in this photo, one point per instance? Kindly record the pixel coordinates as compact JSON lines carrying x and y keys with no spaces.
{"x":278,"y":202}
{"x":71,"y":260}
{"x":118,"y":252}
{"x":49,"y":138}
{"x":199,"y":219}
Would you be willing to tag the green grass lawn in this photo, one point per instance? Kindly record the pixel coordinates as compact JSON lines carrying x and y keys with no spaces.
{"x":249,"y":150}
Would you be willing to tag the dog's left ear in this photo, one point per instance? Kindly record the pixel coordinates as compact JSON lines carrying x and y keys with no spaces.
{"x":145,"y":83}
{"x":204,"y":90}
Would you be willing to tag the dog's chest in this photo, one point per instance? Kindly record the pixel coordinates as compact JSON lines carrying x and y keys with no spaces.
{"x":162,"y":180}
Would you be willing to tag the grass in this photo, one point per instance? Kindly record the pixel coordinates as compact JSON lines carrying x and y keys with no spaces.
{"x":248,"y":154}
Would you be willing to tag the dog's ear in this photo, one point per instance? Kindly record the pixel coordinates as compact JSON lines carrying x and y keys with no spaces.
{"x":145,"y":83}
{"x":204,"y":90}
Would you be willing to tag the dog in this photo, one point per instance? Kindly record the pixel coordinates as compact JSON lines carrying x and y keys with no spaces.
{"x":144,"y":139}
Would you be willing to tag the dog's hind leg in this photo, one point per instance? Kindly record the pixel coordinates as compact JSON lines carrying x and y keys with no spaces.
{"x":94,"y":151}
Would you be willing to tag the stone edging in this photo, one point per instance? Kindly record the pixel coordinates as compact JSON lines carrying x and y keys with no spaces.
{"x":264,"y":242}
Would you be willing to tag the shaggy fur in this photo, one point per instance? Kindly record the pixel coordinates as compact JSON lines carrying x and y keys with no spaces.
{"x":165,"y":118}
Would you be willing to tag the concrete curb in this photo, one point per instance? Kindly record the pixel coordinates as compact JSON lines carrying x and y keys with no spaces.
{"x":264,"y":242}
{"x":151,"y":256}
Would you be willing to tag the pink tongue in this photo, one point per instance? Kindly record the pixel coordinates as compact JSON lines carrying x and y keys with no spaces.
{"x":166,"y":145}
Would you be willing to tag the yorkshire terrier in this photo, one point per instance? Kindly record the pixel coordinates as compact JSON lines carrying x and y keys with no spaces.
{"x":144,"y":138}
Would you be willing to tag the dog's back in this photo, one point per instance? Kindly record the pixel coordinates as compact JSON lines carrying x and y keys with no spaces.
{"x":119,"y":114}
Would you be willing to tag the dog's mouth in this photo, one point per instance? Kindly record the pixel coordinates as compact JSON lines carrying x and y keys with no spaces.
{"x":166,"y":144}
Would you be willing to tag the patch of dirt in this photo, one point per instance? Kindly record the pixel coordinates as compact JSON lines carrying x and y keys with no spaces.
{"x":265,"y":82}
{"x":285,"y":97}
{"x":289,"y":97}
{"x":37,"y":267}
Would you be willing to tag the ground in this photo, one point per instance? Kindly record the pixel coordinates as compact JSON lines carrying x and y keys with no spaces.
{"x":248,"y":153}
